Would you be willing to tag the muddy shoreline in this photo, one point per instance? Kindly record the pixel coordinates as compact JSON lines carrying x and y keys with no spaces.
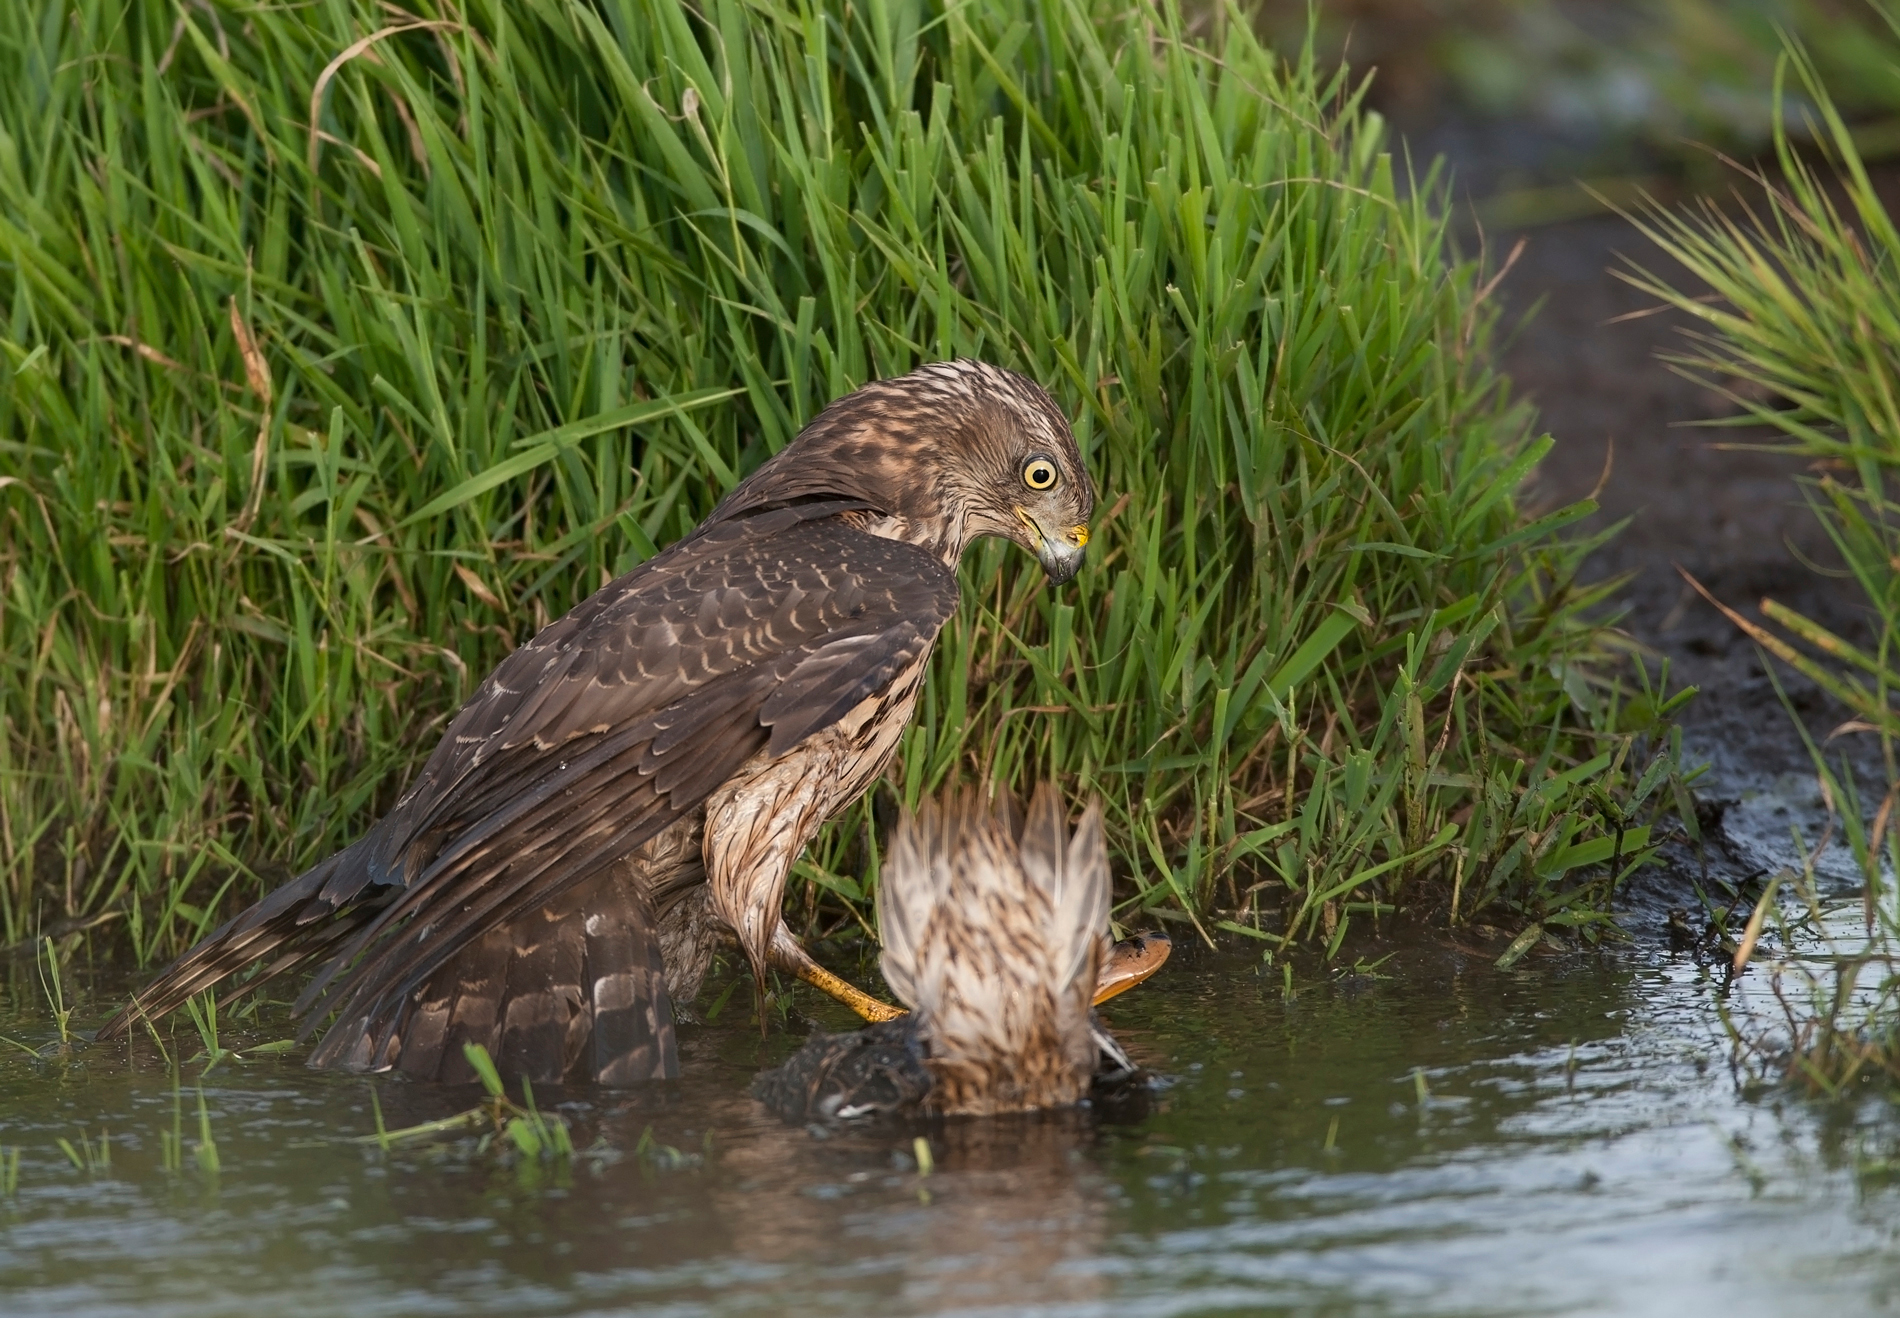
{"x":1587,"y":349}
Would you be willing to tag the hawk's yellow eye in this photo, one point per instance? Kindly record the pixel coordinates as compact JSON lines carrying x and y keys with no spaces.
{"x":1039,"y":473}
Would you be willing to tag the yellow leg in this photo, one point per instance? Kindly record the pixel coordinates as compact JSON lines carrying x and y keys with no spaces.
{"x":788,"y":955}
{"x":853,"y":997}
{"x":1129,"y":962}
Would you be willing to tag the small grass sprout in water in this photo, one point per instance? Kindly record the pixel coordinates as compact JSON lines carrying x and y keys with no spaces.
{"x":650,"y":1153}
{"x":88,"y":1157}
{"x":203,"y":1008}
{"x":1842,"y":1025}
{"x":171,"y":1143}
{"x":55,"y":991}
{"x":204,"y":1017}
{"x":46,"y":962}
{"x":520,"y":1126}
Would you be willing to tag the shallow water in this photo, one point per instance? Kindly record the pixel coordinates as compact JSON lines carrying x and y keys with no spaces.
{"x":1577,"y":1145}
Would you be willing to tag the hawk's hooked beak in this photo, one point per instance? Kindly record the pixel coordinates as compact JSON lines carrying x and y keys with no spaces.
{"x":1059,"y":554}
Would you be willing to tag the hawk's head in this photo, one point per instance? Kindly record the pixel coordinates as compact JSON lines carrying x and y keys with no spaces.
{"x":950,"y":452}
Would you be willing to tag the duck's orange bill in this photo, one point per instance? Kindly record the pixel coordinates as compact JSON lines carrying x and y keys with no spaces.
{"x":1131,"y":961}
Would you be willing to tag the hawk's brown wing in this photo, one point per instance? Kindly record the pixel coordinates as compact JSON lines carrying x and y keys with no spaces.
{"x":613,"y":723}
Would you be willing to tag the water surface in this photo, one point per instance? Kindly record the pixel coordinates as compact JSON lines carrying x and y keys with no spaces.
{"x":1443,"y":1138}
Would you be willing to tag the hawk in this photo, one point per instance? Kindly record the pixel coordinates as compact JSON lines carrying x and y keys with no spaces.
{"x":642,"y":774}
{"x":995,"y":934}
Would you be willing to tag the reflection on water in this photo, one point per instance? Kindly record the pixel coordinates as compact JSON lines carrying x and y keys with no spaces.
{"x":1562,"y":1138}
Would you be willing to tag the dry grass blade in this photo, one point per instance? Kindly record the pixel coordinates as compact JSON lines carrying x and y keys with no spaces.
{"x":257,"y":374}
{"x":348,"y":53}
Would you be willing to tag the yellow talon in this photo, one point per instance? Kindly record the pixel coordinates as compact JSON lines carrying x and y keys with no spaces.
{"x":853,"y":997}
{"x":1129,"y":962}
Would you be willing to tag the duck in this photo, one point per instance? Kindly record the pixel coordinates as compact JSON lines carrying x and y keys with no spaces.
{"x":995,"y":933}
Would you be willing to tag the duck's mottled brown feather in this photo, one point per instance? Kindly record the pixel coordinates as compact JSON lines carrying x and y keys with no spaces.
{"x":994,"y":927}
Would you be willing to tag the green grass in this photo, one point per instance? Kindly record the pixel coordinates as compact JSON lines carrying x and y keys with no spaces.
{"x":304,"y":424}
{"x":1807,"y":312}
{"x":519,"y":1127}
{"x":88,"y":1157}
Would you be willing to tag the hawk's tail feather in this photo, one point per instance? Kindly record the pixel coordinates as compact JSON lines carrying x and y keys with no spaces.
{"x":624,"y":789}
{"x":309,"y":944}
{"x":497,"y":881}
{"x":493,"y":818}
{"x":519,"y":826}
{"x":493,"y":884}
{"x":282,"y":919}
{"x":573,"y":988}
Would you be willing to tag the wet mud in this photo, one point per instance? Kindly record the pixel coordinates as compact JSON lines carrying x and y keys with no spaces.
{"x":1705,"y":501}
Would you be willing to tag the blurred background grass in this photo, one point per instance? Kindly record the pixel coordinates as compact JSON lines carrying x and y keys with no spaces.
{"x":1626,"y":76}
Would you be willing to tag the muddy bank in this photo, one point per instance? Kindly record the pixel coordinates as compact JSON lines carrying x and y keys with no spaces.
{"x":1589,"y":357}
{"x":1625,"y":427}
{"x":1585,"y":348}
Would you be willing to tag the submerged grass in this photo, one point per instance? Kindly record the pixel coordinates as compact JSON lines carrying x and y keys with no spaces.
{"x":342,"y":346}
{"x":1807,"y":313}
{"x":88,"y":1157}
{"x":521,"y":1126}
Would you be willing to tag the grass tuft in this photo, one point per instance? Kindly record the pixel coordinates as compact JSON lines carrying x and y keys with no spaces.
{"x":88,"y":1156}
{"x":1805,"y":318}
{"x":48,"y":965}
{"x":533,"y":1136}
{"x":341,"y":347}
